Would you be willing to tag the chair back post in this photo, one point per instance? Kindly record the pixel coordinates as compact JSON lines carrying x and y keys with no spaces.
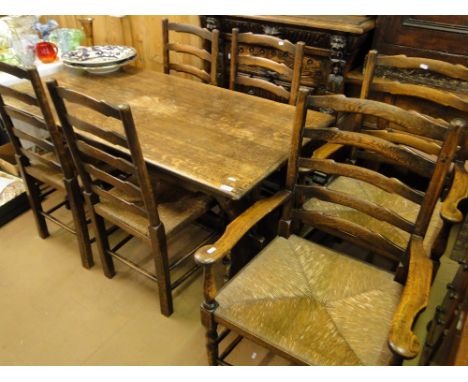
{"x":57,"y":139}
{"x":441,"y":171}
{"x":284,"y":228}
{"x":214,"y":57}
{"x":148,"y":194}
{"x":165,"y":36}
{"x":297,"y":71}
{"x":69,"y":134}
{"x":233,"y":64}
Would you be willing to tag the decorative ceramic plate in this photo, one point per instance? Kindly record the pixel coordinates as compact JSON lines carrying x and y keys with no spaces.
{"x":97,"y":55}
{"x":102,"y":69}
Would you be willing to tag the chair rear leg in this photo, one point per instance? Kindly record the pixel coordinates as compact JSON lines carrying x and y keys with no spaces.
{"x":35,"y":202}
{"x":159,"y":250}
{"x":102,"y":243}
{"x":79,"y":219}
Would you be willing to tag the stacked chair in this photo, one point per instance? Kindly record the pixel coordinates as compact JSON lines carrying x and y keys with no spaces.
{"x":119,"y":190}
{"x":207,"y":54}
{"x":278,"y":73}
{"x":44,"y":162}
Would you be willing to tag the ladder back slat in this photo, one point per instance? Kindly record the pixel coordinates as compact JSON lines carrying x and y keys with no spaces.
{"x":266,"y":64}
{"x":108,"y":135}
{"x":37,"y":158}
{"x":201,"y":74}
{"x":364,"y":206}
{"x":123,"y":185}
{"x":42,"y":143}
{"x":391,"y":185}
{"x":189,"y":49}
{"x":410,"y":122}
{"x":192,"y":29}
{"x":353,"y":232}
{"x":262,"y":84}
{"x":400,"y":154}
{"x":105,"y":157}
{"x":120,"y":202}
{"x":80,"y":99}
{"x":23,"y":97}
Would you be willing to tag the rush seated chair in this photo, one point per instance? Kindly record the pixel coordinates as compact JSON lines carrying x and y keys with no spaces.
{"x":272,"y":76}
{"x":395,"y":84}
{"x":44,"y":161}
{"x":311,"y":302}
{"x":386,"y":75}
{"x":119,"y":190}
{"x":207,"y":54}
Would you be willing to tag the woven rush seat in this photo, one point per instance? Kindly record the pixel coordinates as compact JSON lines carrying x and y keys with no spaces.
{"x":314,"y":303}
{"x":394,"y":202}
{"x":177,"y":208}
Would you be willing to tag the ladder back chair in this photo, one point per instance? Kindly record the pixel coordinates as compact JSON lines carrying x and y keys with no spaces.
{"x":310,"y":302}
{"x":118,"y":189}
{"x":279,"y":72}
{"x":375,"y":78}
{"x":42,"y":157}
{"x":209,"y":58}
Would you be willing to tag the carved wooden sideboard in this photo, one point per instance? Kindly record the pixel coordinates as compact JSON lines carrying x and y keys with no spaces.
{"x":438,"y":37}
{"x":334,"y":44}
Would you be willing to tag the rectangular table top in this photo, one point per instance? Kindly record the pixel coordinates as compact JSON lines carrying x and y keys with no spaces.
{"x":221,"y":141}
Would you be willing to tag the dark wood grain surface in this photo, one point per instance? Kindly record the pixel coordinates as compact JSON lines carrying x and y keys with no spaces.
{"x":222,"y":141}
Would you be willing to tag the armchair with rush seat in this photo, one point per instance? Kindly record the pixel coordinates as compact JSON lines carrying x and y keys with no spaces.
{"x":312,"y":302}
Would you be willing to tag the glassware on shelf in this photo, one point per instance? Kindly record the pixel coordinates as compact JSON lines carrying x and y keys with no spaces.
{"x":66,"y":39}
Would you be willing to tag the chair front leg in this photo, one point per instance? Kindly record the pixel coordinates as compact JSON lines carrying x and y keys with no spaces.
{"x":102,"y":242}
{"x":212,"y":349}
{"x":161,"y":262}
{"x":79,"y":218}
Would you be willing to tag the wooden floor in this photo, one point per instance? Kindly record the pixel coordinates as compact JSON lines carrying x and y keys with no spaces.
{"x":54,"y":312}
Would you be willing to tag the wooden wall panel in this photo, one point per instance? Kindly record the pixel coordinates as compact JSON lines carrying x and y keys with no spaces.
{"x":144,"y":33}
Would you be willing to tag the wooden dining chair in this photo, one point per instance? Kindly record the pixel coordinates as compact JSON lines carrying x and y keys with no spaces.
{"x":376,"y":79}
{"x":42,"y":157}
{"x":119,"y":190}
{"x":312,"y":302}
{"x":209,"y":57}
{"x":276,"y":70}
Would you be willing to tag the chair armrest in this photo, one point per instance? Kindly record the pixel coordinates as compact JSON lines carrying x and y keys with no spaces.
{"x":326,"y":151}
{"x":209,"y":254}
{"x":415,"y":297}
{"x":458,"y":192}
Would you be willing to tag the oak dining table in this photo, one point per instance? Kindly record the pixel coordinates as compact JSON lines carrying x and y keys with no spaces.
{"x":221,"y":142}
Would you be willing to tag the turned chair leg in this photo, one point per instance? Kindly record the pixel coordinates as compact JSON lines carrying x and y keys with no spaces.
{"x":79,"y":217}
{"x":35,"y":202}
{"x":211,"y":337}
{"x":102,"y":243}
{"x":159,"y":250}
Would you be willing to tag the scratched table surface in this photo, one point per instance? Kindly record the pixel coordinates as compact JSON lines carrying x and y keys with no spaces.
{"x":220,"y":141}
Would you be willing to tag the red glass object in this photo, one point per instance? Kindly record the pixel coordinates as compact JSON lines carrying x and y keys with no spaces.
{"x":46,"y":51}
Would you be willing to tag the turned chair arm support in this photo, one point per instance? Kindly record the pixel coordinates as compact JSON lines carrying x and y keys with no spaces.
{"x":210,"y":254}
{"x":458,"y":191}
{"x":414,"y":299}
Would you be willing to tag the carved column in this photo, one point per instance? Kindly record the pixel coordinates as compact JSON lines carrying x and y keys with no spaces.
{"x":335,"y":82}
